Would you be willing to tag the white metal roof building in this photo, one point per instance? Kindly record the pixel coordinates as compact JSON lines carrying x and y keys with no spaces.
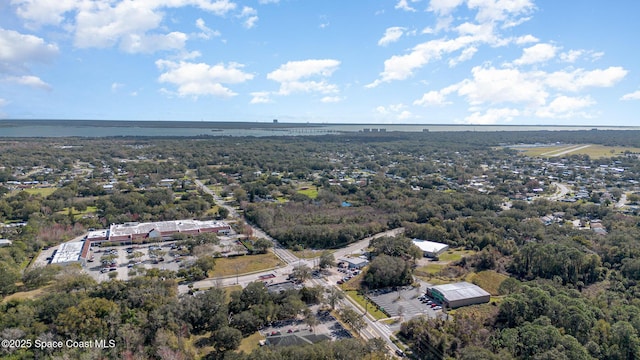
{"x":164,"y":229}
{"x":459,"y":294}
{"x":68,"y":253}
{"x":5,"y":242}
{"x":430,"y":248}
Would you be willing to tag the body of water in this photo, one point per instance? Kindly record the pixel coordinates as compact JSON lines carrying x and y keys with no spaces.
{"x":17,"y":129}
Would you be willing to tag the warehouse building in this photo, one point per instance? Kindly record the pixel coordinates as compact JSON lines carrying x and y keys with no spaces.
{"x":458,"y":294}
{"x":430,"y":249}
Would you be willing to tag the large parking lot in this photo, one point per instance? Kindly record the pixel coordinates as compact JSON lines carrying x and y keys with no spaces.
{"x":133,"y":260}
{"x":403,"y":300}
{"x":327,"y":325}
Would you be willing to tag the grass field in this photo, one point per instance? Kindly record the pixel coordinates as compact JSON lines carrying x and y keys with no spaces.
{"x":250,"y":343}
{"x":44,"y":192}
{"x":371,"y":308}
{"x":429,"y":270}
{"x":79,"y":214}
{"x":310,"y":191}
{"x":26,"y":295}
{"x":594,"y":151}
{"x":488,"y":280}
{"x":244,"y":264}
{"x":455,"y":255}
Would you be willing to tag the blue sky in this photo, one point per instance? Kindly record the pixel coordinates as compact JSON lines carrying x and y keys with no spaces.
{"x":358,"y":61}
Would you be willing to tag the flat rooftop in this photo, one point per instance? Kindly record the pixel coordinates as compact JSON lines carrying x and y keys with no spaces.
{"x":68,"y":252}
{"x":164,"y":227}
{"x":97,"y":234}
{"x":461,"y":290}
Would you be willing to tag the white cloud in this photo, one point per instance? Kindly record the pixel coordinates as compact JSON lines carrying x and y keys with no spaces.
{"x":105,"y":23}
{"x":295,"y":70}
{"x":465,"y":55}
{"x":116,"y":86}
{"x":331,"y":99}
{"x":29,"y":80}
{"x":404,"y":5}
{"x":295,"y":77}
{"x":537,"y":53}
{"x":260,"y":97}
{"x":196,"y":79}
{"x":491,"y":85}
{"x":444,"y":7}
{"x":250,"y":17}
{"x":134,"y":43}
{"x":506,"y":11}
{"x":492,"y":116}
{"x":391,"y":35}
{"x":631,"y":96}
{"x":526,"y":39}
{"x":400,"y":67}
{"x":206,"y":32}
{"x":565,"y":107}
{"x":580,"y":79}
{"x":571,"y":56}
{"x":18,"y":50}
{"x":395,"y":111}
{"x":433,"y":98}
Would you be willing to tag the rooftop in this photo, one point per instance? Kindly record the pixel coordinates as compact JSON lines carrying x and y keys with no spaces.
{"x":164,"y":227}
{"x":68,"y":252}
{"x":461,"y":290}
{"x":430,"y":246}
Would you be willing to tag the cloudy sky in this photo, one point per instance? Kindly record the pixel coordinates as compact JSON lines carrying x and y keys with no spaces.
{"x":337,"y":61}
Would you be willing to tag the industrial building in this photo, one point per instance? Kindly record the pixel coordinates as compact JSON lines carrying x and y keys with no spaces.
{"x":161,"y":230}
{"x":430,"y":249}
{"x":458,"y":294}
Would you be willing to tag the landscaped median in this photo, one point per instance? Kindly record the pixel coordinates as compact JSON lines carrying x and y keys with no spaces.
{"x":242,"y":265}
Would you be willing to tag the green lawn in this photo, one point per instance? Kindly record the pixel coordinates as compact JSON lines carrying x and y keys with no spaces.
{"x":594,"y":151}
{"x":455,"y":254}
{"x":311,"y":191}
{"x":44,"y":192}
{"x":489,"y":280}
{"x":431,"y":269}
{"x":78,"y":214}
{"x":244,"y":264}
{"x":250,"y":343}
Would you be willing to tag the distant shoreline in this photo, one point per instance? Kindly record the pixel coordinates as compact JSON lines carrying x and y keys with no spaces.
{"x":258,"y":125}
{"x":41,"y":128}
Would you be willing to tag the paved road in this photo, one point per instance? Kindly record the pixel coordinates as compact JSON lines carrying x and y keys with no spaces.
{"x":562,"y":191}
{"x":622,"y":202}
